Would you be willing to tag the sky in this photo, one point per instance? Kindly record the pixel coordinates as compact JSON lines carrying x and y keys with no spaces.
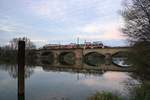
{"x":62,"y":21}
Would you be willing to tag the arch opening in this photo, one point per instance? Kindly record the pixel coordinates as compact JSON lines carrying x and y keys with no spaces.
{"x":47,"y":58}
{"x":67,"y":58}
{"x":121,"y":59}
{"x":94,"y":59}
{"x":46,"y":53}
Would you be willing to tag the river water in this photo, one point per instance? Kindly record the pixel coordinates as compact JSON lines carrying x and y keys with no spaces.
{"x":57,"y":84}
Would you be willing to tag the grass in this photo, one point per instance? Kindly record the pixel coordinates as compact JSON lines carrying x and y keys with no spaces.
{"x":141,"y":92}
{"x":104,"y":96}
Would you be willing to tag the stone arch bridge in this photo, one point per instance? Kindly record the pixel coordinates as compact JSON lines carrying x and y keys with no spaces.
{"x":80,"y":53}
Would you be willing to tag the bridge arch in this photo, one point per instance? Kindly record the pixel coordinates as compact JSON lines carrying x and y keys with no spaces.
{"x":47,"y":53}
{"x":121,"y":59}
{"x":121,"y":54}
{"x":47,"y":57}
{"x":67,"y":58}
{"x":94,"y":58}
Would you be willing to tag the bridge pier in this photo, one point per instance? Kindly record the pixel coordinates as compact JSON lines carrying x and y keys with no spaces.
{"x":56,"y":59}
{"x":79,"y":58}
{"x":108,"y":58}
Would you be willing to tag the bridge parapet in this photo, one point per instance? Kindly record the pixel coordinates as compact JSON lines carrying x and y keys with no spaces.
{"x":105,"y":51}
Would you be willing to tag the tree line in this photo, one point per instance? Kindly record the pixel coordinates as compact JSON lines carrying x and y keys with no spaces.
{"x":8,"y":53}
{"x":136,"y":16}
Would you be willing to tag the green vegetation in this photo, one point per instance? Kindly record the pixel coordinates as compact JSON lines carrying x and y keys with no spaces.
{"x":141,"y":93}
{"x":8,"y":56}
{"x":140,"y":57}
{"x":104,"y":96}
{"x":137,"y":28}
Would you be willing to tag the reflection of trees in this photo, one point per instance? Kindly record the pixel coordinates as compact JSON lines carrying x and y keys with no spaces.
{"x":13,"y":70}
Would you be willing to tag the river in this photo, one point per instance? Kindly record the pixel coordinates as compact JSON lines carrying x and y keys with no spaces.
{"x":42,"y":83}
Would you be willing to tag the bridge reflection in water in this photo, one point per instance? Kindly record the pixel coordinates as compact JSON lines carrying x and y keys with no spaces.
{"x":76,"y":61}
{"x":41,"y":80}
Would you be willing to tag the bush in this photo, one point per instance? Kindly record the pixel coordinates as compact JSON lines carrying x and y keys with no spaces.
{"x":104,"y":96}
{"x":142,"y":92}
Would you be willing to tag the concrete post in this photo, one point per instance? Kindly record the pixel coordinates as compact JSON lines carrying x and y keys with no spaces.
{"x":21,"y":70}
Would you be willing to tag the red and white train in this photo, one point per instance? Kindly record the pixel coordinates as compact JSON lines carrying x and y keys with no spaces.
{"x":86,"y":45}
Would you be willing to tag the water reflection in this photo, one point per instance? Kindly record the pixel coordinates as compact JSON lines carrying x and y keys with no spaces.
{"x":56,"y":83}
{"x":13,"y":70}
{"x":121,"y":61}
{"x":71,"y":70}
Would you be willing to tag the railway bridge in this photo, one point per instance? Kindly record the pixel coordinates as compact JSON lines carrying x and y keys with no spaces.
{"x":78,"y":54}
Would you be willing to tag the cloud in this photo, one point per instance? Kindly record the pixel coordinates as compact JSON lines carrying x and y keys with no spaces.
{"x":7,"y":28}
{"x":105,"y":31}
{"x":40,"y":36}
{"x":72,"y":10}
{"x":61,"y":20}
{"x":90,"y":29}
{"x":12,"y":28}
{"x":51,"y":9}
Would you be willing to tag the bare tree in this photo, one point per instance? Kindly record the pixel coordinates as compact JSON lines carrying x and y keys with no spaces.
{"x":29,"y":44}
{"x":137,"y":20}
{"x":137,"y":27}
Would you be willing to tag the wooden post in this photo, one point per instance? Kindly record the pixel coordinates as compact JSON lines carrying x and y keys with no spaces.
{"x":21,"y":70}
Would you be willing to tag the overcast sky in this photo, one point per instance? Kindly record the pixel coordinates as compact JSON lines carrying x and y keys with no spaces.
{"x":62,"y":21}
